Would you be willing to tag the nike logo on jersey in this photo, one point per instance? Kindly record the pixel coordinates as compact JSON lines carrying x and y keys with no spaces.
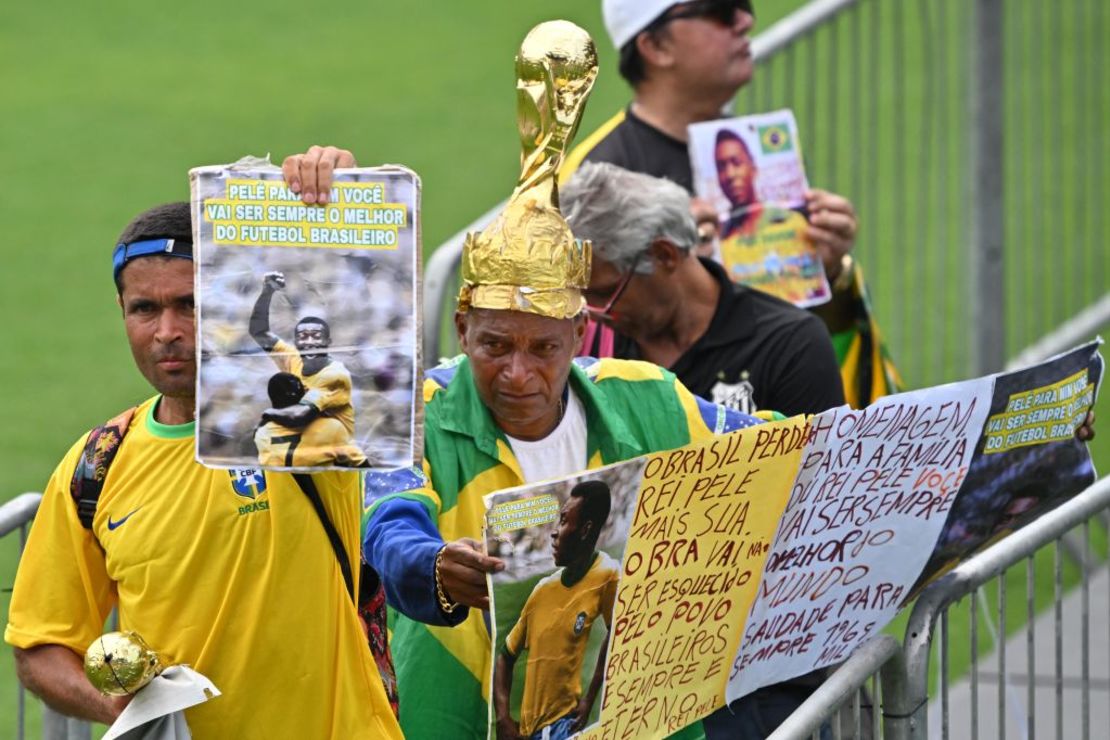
{"x":119,"y":522}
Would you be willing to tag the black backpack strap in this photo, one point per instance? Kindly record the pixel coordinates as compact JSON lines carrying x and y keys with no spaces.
{"x":101,"y":447}
{"x":370,"y":601}
{"x":309,"y":487}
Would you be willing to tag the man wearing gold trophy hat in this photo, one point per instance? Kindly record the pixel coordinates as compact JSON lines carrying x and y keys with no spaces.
{"x":515,"y":408}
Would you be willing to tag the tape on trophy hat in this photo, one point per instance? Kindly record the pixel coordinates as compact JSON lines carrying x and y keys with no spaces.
{"x":527,"y":259}
{"x":121,"y":663}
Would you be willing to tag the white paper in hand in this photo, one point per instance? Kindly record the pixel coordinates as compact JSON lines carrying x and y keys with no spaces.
{"x":156,"y":711}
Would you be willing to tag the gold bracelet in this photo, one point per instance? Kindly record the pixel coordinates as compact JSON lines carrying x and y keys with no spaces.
{"x":445,"y":603}
{"x":845,"y":279}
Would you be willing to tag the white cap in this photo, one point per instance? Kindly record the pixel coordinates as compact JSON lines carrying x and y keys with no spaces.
{"x":626,"y":18}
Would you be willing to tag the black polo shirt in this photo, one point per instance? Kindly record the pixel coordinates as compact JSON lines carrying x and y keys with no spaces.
{"x":759,"y":353}
{"x":640,"y":147}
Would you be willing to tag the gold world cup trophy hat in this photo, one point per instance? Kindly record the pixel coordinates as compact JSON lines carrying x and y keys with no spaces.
{"x":527,"y":259}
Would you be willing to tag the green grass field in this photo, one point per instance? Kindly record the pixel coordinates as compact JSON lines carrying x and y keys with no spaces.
{"x":108,"y":105}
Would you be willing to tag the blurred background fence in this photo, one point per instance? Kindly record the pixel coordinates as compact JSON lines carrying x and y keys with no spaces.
{"x":971,"y":136}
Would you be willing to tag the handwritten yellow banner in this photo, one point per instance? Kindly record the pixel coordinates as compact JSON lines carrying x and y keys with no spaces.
{"x":705,"y":518}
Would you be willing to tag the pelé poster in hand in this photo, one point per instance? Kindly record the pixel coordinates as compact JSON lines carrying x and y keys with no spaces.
{"x":750,"y":169}
{"x":306,"y":319}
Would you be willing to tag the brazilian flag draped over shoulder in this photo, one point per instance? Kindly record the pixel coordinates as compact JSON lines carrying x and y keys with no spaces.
{"x":866,"y":368}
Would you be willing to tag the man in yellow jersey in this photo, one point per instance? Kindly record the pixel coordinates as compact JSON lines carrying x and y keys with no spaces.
{"x":227,"y":571}
{"x":554,"y":626}
{"x":323,"y":441}
{"x":327,"y":381}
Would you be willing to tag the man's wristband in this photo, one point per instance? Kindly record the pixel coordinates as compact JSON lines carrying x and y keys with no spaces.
{"x":445,"y":603}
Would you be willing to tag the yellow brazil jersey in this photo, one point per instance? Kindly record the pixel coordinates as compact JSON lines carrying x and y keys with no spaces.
{"x":554,"y":627}
{"x":323,"y":441}
{"x":328,"y":390}
{"x":228,"y":571}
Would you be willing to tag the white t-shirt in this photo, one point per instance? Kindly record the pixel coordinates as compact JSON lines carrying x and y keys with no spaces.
{"x":559,"y":454}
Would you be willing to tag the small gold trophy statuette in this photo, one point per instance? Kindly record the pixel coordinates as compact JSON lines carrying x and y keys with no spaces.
{"x":121,"y":663}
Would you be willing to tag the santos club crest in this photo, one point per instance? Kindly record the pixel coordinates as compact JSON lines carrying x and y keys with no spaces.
{"x":736,"y":396}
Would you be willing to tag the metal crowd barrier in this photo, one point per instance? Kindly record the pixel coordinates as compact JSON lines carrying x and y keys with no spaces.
{"x":17,"y":514}
{"x":884,"y":674}
{"x":906,"y":704}
{"x":848,"y":697}
{"x":896,"y":676}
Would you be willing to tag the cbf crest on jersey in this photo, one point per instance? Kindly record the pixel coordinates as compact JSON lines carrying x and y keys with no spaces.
{"x":248,"y":482}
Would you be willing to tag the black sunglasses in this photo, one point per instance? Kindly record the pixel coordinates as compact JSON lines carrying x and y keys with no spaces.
{"x":722,"y":11}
